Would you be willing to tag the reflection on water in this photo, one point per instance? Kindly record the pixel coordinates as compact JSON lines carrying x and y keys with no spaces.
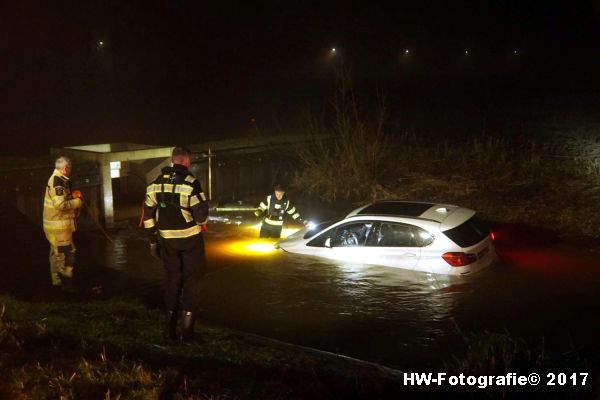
{"x":361,"y":310}
{"x":116,"y":256}
{"x":397,"y":317}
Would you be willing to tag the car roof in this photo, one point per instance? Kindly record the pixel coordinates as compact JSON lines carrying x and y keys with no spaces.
{"x":438,"y":212}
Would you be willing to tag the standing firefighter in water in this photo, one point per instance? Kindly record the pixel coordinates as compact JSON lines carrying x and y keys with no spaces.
{"x":61,"y":207}
{"x":175,"y":214}
{"x":274,"y":208}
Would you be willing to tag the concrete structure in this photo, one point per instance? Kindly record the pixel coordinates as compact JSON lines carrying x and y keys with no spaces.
{"x":107,"y":155}
{"x":244,"y":168}
{"x":229,"y":170}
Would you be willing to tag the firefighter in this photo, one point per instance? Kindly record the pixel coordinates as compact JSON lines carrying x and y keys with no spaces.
{"x":61,"y":208}
{"x":273,"y":210}
{"x":175,"y":214}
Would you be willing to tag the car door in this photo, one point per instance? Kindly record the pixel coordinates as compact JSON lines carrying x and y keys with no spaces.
{"x":345,"y":242}
{"x":394,"y":244}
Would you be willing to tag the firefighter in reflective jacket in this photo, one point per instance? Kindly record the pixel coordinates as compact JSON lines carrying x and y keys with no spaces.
{"x":274,"y":208}
{"x":175,"y":214}
{"x":61,"y":207}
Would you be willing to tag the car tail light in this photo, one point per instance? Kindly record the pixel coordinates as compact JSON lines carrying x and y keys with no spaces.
{"x":458,"y":259}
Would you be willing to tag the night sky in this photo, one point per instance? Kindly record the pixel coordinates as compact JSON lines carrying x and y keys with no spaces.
{"x":186,"y":71}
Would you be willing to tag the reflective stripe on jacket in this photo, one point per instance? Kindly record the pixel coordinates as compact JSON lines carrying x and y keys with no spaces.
{"x":60,"y":209}
{"x":175,"y":204}
{"x":276,"y":209}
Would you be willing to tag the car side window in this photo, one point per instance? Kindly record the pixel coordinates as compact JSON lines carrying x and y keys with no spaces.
{"x":423,"y":237}
{"x":320,"y":240}
{"x":352,"y":235}
{"x":395,"y":235}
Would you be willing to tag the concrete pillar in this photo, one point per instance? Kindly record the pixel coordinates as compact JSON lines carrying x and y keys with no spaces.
{"x":107,"y":193}
{"x":210,"y":182}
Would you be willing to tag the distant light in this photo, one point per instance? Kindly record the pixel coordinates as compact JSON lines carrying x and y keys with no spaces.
{"x":333,"y":49}
{"x":310,"y":225}
{"x":406,"y":51}
{"x":515,"y":52}
{"x":101,"y":43}
{"x":467,"y":52}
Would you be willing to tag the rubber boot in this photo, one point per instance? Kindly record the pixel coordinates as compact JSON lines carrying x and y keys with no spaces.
{"x":171,"y":328}
{"x":187,"y":329}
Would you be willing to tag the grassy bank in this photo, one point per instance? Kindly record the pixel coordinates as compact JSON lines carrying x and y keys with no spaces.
{"x":545,"y":176}
{"x":506,"y":179}
{"x":114,"y":350}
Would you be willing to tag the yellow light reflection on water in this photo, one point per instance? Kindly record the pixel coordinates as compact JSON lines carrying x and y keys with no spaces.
{"x":261,"y":247}
{"x":249,"y":247}
{"x":285,"y":232}
{"x":247,"y":243}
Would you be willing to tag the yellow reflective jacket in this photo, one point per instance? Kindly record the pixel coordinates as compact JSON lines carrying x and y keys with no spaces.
{"x":60,"y":209}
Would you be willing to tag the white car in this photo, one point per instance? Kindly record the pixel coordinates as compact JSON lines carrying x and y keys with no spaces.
{"x":435,"y":238}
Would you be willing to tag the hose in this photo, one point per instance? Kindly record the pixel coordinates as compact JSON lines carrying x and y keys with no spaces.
{"x":96,"y":221}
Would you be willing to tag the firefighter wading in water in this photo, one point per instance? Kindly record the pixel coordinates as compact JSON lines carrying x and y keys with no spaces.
{"x":274,"y":208}
{"x":175,"y":214}
{"x":61,"y":207}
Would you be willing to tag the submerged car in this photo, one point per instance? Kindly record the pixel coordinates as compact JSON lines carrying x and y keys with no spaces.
{"x":428,"y":237}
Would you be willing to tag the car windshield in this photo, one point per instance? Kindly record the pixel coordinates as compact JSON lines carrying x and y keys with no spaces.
{"x":317,"y":229}
{"x":469,"y":233}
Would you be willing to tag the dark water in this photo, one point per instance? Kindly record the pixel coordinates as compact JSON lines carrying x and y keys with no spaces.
{"x":400,"y":318}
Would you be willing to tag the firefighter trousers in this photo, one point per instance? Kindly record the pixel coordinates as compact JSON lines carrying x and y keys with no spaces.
{"x":270,"y":231}
{"x":184,"y":261}
{"x":62,"y":254}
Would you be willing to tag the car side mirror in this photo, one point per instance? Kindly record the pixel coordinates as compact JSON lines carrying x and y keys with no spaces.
{"x":328,"y":243}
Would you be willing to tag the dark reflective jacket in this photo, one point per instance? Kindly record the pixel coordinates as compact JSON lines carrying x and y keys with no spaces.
{"x":175,"y":204}
{"x":276,"y":209}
